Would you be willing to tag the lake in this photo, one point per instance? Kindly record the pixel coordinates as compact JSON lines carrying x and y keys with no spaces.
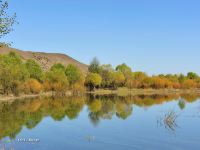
{"x":108,"y":122}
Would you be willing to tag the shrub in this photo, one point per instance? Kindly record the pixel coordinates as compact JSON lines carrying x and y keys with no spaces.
{"x":188,"y":84}
{"x":32,"y":86}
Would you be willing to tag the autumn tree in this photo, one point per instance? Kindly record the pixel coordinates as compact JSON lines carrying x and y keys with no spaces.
{"x":161,"y":83}
{"x":56,"y":80}
{"x":188,"y":84}
{"x":75,"y":78}
{"x":130,"y":81}
{"x":32,"y":86}
{"x":147,"y":83}
{"x":118,"y":80}
{"x":92,"y":80}
{"x":139,"y":78}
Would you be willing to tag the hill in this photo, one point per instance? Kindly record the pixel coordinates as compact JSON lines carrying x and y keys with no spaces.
{"x":46,"y":60}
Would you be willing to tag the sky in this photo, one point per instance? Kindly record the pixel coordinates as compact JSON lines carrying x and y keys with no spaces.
{"x":154,"y":36}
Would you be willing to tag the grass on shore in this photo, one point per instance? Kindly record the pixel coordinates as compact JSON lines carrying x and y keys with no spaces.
{"x":126,"y":91}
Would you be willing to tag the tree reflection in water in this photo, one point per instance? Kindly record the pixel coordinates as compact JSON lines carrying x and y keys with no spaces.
{"x":30,"y":112}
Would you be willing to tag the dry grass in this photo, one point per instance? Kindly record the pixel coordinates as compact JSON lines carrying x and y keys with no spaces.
{"x":126,"y":91}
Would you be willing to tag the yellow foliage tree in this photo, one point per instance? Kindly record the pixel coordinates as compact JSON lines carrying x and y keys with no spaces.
{"x":188,"y":84}
{"x":32,"y":86}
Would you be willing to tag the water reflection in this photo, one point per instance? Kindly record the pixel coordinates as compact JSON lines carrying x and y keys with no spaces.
{"x":30,"y":112}
{"x":169,"y":121}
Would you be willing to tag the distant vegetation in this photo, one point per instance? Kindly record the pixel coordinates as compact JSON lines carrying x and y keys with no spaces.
{"x":105,"y":76}
{"x":19,"y":77}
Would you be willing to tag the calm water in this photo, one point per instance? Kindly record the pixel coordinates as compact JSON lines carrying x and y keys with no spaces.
{"x":101,"y":123}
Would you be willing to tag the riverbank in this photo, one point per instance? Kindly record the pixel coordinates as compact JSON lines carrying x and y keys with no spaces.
{"x":23,"y":96}
{"x":126,"y":91}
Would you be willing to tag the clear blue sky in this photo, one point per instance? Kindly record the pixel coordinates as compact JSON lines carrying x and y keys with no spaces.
{"x":154,"y":36}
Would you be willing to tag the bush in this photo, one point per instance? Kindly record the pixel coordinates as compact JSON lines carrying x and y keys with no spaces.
{"x":32,"y":86}
{"x":188,"y":84}
{"x":160,"y":83}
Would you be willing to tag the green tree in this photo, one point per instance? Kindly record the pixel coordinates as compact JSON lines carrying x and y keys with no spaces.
{"x":139,"y":75}
{"x":6,"y":21}
{"x":73,"y":74}
{"x":92,"y":80}
{"x":123,"y":68}
{"x":106,"y":72}
{"x":12,"y":73}
{"x":181,"y":78}
{"x":192,"y":75}
{"x":136,"y":79}
{"x":118,"y":79}
{"x":130,"y":81}
{"x":58,"y":66}
{"x":34,"y":69}
{"x":94,"y":66}
{"x":56,"y":80}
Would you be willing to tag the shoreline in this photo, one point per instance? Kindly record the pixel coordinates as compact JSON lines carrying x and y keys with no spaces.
{"x":119,"y":92}
{"x":11,"y":98}
{"x":125,"y":91}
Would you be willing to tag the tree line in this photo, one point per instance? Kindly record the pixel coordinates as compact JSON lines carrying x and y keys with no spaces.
{"x":105,"y":76}
{"x":27,"y":77}
{"x":17,"y":76}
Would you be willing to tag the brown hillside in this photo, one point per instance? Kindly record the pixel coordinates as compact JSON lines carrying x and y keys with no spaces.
{"x":46,"y":60}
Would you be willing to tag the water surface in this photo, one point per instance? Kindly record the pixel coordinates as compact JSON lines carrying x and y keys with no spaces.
{"x":101,"y":122}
